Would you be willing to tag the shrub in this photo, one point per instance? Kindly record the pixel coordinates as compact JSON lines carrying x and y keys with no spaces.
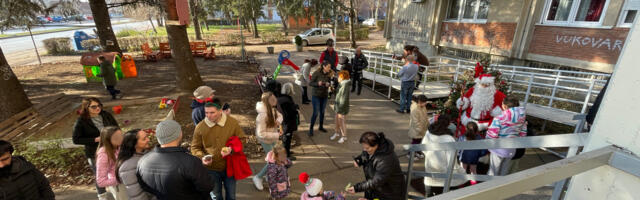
{"x":298,"y":40}
{"x":380,"y":24}
{"x":58,"y":46}
{"x":233,"y":39}
{"x":361,"y":34}
{"x":127,"y":33}
{"x":273,"y":37}
{"x":91,"y":44}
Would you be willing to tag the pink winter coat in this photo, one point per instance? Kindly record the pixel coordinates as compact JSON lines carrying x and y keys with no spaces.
{"x":105,"y":171}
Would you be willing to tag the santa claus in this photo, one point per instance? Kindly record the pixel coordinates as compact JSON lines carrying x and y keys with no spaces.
{"x":481,"y":103}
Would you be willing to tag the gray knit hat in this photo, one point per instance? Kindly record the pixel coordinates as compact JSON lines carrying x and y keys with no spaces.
{"x":168,"y":131}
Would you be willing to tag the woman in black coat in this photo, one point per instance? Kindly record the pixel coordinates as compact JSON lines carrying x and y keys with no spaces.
{"x":86,"y":130}
{"x":290,"y":116}
{"x":385,"y":179}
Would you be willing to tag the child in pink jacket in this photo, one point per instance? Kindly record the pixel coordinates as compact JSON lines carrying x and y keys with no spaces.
{"x":106,"y":161}
{"x":314,"y":190}
{"x":508,"y":125}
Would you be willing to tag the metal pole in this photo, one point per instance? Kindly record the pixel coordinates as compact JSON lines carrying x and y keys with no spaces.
{"x":424,"y":79}
{"x":391,"y":81}
{"x":242,"y":41}
{"x":555,"y":87}
{"x":409,"y":172}
{"x":526,"y":96}
{"x":375,"y":72}
{"x":450,"y":165}
{"x":586,"y":99}
{"x":34,"y":45}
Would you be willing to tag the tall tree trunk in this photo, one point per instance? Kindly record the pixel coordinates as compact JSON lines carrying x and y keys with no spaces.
{"x":285,"y":28}
{"x":13,"y":99}
{"x":102,"y":20}
{"x":153,"y":26}
{"x":206,"y":24}
{"x":194,"y":14}
{"x":352,"y":20}
{"x":187,"y":75}
{"x":255,"y":28}
{"x":377,"y":4}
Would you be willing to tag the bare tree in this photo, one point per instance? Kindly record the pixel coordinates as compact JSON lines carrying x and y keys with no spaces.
{"x":104,"y":29}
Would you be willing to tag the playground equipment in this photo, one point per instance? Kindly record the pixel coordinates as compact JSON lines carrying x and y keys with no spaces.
{"x":91,"y":66}
{"x":129,"y":67}
{"x":283,"y":59}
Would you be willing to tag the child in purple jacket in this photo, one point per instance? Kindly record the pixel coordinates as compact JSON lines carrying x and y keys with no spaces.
{"x":508,"y":125}
{"x":277,"y":175}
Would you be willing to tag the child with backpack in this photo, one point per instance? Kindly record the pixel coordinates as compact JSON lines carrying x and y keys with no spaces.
{"x":277,"y":175}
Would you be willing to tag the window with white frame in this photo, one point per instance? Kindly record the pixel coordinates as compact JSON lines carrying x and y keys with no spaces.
{"x":629,"y":13}
{"x":575,"y":12}
{"x":468,"y":10}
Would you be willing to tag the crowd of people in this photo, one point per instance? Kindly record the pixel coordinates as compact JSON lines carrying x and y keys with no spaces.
{"x":127,"y":167}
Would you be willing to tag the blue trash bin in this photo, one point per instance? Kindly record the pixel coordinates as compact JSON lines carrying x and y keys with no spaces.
{"x":80,"y":36}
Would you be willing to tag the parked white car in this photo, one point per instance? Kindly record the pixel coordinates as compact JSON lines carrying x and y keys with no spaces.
{"x":316,"y":36}
{"x":370,"y":22}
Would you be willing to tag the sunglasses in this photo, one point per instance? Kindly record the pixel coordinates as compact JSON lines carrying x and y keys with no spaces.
{"x":95,"y":106}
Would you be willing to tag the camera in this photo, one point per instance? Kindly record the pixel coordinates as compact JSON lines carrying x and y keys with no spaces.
{"x":359,"y":160}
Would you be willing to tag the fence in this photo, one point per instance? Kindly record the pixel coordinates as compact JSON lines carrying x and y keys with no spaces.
{"x":498,"y":187}
{"x":551,"y":94}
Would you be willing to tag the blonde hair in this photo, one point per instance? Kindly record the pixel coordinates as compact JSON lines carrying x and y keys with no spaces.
{"x":271,"y":115}
{"x":278,"y":150}
{"x":287,"y":89}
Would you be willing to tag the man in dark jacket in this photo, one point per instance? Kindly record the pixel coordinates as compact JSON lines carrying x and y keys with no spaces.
{"x":108,"y":74}
{"x":358,"y":62}
{"x":202,"y":95}
{"x":330,"y":55}
{"x":384,"y":178}
{"x":19,"y":179}
{"x":169,"y":172}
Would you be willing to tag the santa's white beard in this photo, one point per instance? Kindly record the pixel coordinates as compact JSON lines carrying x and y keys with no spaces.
{"x":482,"y":100}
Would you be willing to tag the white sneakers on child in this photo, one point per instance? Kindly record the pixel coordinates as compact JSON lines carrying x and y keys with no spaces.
{"x":335,"y":135}
{"x":257,"y":182}
{"x":342,"y":139}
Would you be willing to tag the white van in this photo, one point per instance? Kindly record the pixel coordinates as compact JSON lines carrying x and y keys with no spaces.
{"x":316,"y":36}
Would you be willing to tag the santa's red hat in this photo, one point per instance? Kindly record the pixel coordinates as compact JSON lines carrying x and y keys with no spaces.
{"x":485,"y":79}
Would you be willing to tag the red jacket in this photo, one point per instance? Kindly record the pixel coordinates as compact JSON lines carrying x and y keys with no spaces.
{"x":237,"y":164}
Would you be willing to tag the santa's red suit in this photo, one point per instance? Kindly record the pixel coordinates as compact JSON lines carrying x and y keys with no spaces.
{"x":481,"y":104}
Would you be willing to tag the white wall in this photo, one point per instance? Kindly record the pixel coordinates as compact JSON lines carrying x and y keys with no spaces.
{"x":617,"y":123}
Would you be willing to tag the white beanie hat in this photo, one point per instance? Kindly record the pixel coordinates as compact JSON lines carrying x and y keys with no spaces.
{"x":313,"y":185}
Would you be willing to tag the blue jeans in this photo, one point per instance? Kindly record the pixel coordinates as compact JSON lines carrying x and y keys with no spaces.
{"x":406,"y":93}
{"x":267,"y":148}
{"x":319,"y":105}
{"x":220,"y":178}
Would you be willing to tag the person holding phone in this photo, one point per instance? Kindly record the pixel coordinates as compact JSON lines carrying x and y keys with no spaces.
{"x":320,"y":83}
{"x":381,"y":168}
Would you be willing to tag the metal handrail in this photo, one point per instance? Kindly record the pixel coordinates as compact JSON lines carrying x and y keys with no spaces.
{"x":573,"y":141}
{"x":529,"y":77}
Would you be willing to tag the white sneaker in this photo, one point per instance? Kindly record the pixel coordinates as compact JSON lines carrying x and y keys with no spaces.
{"x":419,"y":156}
{"x":258,"y":183}
{"x":335,"y":135}
{"x":342,"y":139}
{"x":103,"y":196}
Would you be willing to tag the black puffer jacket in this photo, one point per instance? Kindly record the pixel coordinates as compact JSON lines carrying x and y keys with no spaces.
{"x":24,"y":182}
{"x":359,"y":63}
{"x":85,"y":132}
{"x":171,"y":173}
{"x":289,"y":113}
{"x":384,"y":176}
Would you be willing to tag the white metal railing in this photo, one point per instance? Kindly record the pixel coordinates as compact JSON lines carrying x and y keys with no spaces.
{"x":579,"y":88}
{"x":573,"y":141}
{"x":507,"y":186}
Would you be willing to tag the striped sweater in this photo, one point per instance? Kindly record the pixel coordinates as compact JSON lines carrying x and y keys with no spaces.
{"x":511,"y":123}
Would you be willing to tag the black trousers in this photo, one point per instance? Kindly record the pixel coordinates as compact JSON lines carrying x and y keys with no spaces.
{"x":357,"y":82}
{"x":112,"y":90}
{"x":286,"y":140}
{"x":305,"y":96}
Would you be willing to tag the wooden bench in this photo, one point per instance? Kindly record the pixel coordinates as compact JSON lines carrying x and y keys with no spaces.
{"x":165,"y":49}
{"x":198,"y":48}
{"x":148,"y":54}
{"x":211,"y":54}
{"x":37,"y":118}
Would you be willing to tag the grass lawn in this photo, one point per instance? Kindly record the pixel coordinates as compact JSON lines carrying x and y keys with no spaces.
{"x":213,"y":29}
{"x":39,"y":32}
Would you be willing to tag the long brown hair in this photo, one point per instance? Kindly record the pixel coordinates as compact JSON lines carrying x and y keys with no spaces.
{"x":86,"y":102}
{"x":271,"y":115}
{"x":324,"y":63}
{"x":472,"y":131}
{"x":105,"y":141}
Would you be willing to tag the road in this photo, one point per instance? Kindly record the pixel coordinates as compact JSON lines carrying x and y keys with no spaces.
{"x":51,"y":26}
{"x":17,"y":44}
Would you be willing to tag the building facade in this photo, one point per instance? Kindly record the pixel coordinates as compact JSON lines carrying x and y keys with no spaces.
{"x":576,"y":34}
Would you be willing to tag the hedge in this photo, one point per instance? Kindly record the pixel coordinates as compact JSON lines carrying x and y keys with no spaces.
{"x":361,"y":34}
{"x":58,"y":46}
{"x":273,"y":37}
{"x":380,"y":25}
